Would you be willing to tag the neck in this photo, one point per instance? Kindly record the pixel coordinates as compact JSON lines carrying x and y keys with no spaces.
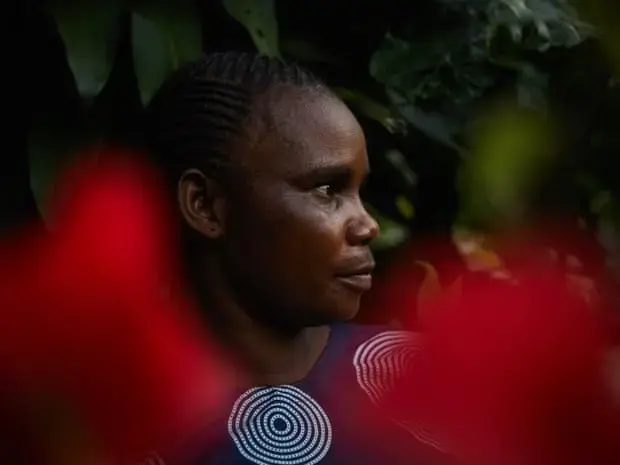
{"x":273,"y":357}
{"x":269,"y":355}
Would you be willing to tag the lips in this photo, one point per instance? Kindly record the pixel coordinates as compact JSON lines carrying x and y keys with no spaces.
{"x":357,"y":282}
{"x":358,"y":276}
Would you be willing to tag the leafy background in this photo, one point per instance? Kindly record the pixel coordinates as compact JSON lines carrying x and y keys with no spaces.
{"x":480,"y":114}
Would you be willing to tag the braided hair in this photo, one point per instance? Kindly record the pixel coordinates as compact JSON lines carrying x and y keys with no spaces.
{"x":202,"y":107}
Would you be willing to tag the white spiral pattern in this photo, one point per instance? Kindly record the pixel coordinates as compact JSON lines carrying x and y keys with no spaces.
{"x":280,"y":425}
{"x":380,"y":363}
{"x":381,"y":360}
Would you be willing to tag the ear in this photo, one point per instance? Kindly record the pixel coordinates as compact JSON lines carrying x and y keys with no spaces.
{"x":202,"y":203}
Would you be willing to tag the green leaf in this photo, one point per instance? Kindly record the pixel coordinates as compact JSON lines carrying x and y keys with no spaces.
{"x":259,"y":18}
{"x":511,"y":148}
{"x":532,"y":87}
{"x":397,"y":62}
{"x":556,"y":24}
{"x":90,"y":31}
{"x":165,"y":34}
{"x":399,"y":162}
{"x":432,"y":83}
{"x":392,"y":233}
{"x":51,"y":148}
{"x":371,"y":109}
{"x":405,"y":207}
{"x":434,"y":125}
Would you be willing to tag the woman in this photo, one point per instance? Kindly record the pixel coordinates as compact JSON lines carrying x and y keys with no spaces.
{"x":266,"y":165}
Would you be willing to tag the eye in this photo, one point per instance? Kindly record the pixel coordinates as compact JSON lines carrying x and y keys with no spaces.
{"x":326,"y":190}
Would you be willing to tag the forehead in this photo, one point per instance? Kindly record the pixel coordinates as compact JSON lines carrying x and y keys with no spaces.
{"x":299,"y":131}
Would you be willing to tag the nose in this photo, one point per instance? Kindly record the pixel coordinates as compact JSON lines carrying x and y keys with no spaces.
{"x":362,"y":228}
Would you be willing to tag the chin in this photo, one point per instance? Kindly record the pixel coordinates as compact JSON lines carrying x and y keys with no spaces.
{"x":330,"y":311}
{"x":341,"y":313}
{"x":329,"y":317}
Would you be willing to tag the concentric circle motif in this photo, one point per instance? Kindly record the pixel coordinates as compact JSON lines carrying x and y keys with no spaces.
{"x":280,"y":425}
{"x":380,"y":362}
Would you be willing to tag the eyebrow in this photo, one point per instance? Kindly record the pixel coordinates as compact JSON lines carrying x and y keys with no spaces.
{"x":327,"y":172}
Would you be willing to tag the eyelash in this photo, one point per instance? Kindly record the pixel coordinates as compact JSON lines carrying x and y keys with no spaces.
{"x":327,"y":191}
{"x":331,"y":191}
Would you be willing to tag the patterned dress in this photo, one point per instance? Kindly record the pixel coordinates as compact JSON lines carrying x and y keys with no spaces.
{"x":328,"y":418}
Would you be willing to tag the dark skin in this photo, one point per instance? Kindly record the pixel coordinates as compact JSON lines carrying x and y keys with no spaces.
{"x":286,"y":248}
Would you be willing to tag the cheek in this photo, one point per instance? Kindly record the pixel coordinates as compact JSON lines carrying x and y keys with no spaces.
{"x":293,"y":233}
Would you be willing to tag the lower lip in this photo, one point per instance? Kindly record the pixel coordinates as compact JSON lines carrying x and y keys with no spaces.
{"x":358,"y":282}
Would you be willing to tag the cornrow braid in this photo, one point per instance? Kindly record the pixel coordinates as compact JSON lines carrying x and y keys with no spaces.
{"x":202,"y":107}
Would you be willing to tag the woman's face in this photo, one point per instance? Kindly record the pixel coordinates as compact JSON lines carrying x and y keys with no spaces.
{"x":295,"y":245}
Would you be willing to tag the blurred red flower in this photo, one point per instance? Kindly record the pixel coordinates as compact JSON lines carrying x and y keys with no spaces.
{"x":90,"y":348}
